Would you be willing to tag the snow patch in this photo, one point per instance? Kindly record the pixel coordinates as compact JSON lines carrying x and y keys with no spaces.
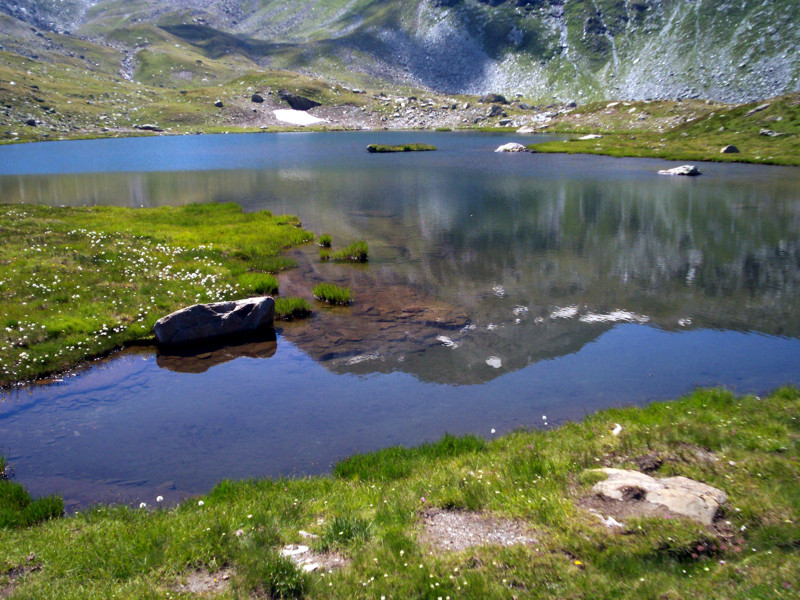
{"x":297,"y":117}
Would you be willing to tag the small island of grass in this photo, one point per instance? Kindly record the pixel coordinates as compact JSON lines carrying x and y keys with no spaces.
{"x":372,"y":148}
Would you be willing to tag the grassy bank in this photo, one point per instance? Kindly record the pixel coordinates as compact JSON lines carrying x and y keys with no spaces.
{"x":370,"y":511}
{"x":764,"y":132}
{"x":78,"y":282}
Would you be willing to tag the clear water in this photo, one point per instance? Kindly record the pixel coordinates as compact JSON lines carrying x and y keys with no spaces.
{"x":501,"y":289}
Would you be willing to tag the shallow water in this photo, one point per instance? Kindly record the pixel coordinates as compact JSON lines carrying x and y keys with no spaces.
{"x":501,"y":289}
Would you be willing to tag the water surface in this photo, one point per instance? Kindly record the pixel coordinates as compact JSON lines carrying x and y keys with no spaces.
{"x":501,"y":289}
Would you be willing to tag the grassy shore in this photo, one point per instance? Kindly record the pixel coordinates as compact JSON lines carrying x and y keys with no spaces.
{"x":764,"y":132}
{"x":370,"y":511}
{"x":78,"y":282}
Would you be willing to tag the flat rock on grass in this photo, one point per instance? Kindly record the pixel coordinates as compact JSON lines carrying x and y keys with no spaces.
{"x":308,"y":560}
{"x":453,"y":531}
{"x":635,"y":494}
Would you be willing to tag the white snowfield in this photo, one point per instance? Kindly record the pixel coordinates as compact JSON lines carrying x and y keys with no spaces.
{"x":297,"y":117}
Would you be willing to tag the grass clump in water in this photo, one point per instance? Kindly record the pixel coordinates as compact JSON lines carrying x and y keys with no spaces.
{"x":355,"y":252}
{"x":325,"y":240}
{"x":325,"y":254}
{"x":259,"y":283}
{"x":333,"y":294}
{"x":381,"y":148}
{"x":290,"y":308}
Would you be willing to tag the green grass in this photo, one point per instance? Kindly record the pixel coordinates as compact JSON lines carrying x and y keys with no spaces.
{"x":79,"y":282}
{"x":290,"y":308}
{"x":747,"y":446}
{"x":325,"y":240}
{"x":379,"y":148}
{"x":18,"y":509}
{"x":332,"y":293}
{"x":258,"y":283}
{"x":355,"y":252}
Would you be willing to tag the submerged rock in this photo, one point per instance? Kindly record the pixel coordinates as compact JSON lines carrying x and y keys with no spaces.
{"x":679,"y":495}
{"x":207,"y":321}
{"x":688,"y":170}
{"x":512,"y":147}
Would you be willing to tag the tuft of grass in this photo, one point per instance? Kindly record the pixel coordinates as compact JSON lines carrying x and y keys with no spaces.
{"x":383,"y":148}
{"x":325,"y":254}
{"x":343,"y":532}
{"x":355,"y":252}
{"x":290,"y":308}
{"x":258,"y":283}
{"x":325,"y":240}
{"x":332,"y":293}
{"x":18,"y":509}
{"x":268,"y":574}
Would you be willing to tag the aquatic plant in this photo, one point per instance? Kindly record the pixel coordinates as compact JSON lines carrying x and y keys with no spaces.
{"x":332,"y":293}
{"x":380,"y":148}
{"x":290,"y":308}
{"x":325,"y":240}
{"x":325,"y":254}
{"x":258,"y":283}
{"x":355,"y":252}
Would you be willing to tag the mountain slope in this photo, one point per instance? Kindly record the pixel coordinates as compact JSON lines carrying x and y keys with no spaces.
{"x":726,"y":50}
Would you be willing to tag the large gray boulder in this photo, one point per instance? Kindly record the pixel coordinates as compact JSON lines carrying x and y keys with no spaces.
{"x":679,"y":495}
{"x":207,"y":321}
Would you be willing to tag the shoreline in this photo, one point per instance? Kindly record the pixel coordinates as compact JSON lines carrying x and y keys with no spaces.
{"x":536,"y":482}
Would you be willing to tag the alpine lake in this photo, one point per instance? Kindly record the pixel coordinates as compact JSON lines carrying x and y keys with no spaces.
{"x":502,"y":291}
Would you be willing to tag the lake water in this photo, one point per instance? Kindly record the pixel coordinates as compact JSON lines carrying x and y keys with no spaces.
{"x":502,"y":291}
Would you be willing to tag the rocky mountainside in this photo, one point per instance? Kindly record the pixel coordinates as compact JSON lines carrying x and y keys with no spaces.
{"x":726,"y":50}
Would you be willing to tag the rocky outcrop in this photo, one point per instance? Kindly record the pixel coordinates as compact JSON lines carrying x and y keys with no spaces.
{"x":220,"y":319}
{"x":512,"y":147}
{"x":297,"y":102}
{"x":678,"y":495}
{"x":686,"y":170}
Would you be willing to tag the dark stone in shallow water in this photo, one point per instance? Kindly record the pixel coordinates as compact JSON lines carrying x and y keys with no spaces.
{"x":201,"y":356}
{"x":219,"y":319}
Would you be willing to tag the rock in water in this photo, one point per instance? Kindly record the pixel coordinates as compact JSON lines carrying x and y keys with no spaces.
{"x":688,"y":170}
{"x":206,"y":321}
{"x":512,"y":147}
{"x":678,"y":495}
{"x":729,"y":150}
{"x":298,"y":102}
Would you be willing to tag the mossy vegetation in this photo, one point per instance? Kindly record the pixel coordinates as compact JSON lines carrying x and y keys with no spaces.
{"x":332,"y":293}
{"x":355,"y":252}
{"x":79,"y":282}
{"x":379,"y":148}
{"x":291,"y":308}
{"x":372,"y":516}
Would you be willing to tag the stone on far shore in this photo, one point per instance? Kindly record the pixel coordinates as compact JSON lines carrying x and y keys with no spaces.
{"x":208,"y":321}
{"x":688,"y":170}
{"x":512,"y":147}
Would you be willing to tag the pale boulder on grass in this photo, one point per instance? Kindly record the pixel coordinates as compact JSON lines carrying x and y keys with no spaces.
{"x":679,"y":495}
{"x":512,"y":147}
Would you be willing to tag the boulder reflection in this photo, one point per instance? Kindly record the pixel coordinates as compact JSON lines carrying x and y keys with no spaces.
{"x":200,"y":357}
